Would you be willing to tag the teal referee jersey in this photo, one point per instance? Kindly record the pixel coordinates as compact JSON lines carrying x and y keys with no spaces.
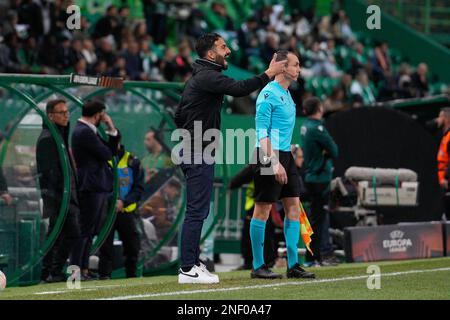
{"x":275,"y":116}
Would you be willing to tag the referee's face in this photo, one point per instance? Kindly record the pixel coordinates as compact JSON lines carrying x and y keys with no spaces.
{"x":221,"y":53}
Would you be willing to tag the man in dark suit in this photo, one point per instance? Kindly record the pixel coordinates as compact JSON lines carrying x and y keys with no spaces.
{"x":95,"y":176}
{"x":51,"y":182}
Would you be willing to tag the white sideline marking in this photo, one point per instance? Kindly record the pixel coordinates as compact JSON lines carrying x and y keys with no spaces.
{"x":177,"y":293}
{"x":90,"y":288}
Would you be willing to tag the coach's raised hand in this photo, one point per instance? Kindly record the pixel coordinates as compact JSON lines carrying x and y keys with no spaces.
{"x":275,"y":67}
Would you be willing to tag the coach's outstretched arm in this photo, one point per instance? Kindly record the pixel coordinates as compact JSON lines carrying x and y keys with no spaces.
{"x":221,"y":84}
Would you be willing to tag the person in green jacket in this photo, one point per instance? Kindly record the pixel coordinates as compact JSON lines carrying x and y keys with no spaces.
{"x":319,"y":149}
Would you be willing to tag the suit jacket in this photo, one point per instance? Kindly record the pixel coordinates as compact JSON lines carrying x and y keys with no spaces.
{"x":91,"y":155}
{"x":50,"y":173}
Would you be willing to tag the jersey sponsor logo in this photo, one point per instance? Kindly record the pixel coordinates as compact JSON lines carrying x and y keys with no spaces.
{"x":266,"y":95}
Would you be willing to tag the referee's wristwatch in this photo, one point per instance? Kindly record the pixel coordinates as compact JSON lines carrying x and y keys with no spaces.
{"x":273,"y":160}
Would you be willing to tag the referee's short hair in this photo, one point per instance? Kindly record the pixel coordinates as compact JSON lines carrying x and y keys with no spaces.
{"x":206,"y":43}
{"x":282,"y":54}
{"x":311,"y":106}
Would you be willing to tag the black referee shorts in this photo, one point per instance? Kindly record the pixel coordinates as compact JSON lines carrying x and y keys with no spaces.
{"x":267,"y":189}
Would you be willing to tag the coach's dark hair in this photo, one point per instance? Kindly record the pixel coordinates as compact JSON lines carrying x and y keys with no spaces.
{"x":205,"y":43}
{"x":311,"y":106}
{"x":51,"y":104}
{"x":92,"y":107}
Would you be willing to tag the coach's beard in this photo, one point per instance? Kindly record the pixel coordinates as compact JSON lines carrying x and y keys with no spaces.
{"x":221,"y":60}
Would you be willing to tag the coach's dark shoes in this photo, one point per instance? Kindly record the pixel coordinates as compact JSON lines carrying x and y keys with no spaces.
{"x":264,"y":272}
{"x":298,"y":272}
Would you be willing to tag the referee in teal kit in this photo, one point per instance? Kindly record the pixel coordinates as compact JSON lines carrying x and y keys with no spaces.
{"x":276,"y":175}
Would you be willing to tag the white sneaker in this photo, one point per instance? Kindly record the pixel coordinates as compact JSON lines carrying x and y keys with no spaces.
{"x":205,"y":270}
{"x":195,"y":275}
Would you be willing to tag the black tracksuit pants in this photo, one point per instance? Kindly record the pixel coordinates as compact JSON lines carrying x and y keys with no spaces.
{"x":126,"y":226}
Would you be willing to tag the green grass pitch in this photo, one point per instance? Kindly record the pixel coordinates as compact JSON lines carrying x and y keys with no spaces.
{"x":412,"y":279}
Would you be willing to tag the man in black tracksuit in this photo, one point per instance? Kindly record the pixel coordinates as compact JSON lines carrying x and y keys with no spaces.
{"x":51,"y":182}
{"x":201,"y":103}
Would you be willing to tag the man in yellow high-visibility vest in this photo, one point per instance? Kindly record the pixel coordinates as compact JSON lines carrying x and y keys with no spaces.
{"x":131,"y":184}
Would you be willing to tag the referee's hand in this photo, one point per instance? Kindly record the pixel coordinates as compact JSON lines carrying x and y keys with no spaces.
{"x":280,"y":173}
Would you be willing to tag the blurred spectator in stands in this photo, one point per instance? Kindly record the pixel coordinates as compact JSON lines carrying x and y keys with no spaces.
{"x":149,"y":60}
{"x":9,"y":60}
{"x":108,"y":24}
{"x":105,"y":51}
{"x":419,"y":81}
{"x":10,"y":23}
{"x":358,"y":58}
{"x":335,"y":101}
{"x":155,"y":13}
{"x":133,"y":62}
{"x":160,"y":208}
{"x":323,"y":61}
{"x":346,"y":84}
{"x":403,"y":81}
{"x":58,"y":16}
{"x":341,"y":29}
{"x":302,"y":26}
{"x":248,"y":40}
{"x":196,"y":23}
{"x":140,"y":31}
{"x":221,"y":11}
{"x":324,"y":31}
{"x":100,"y":68}
{"x":269,"y":47}
{"x":262,"y":17}
{"x":156,"y":159}
{"x":64,"y":55}
{"x":82,"y":33}
{"x":381,"y":63}
{"x":119,"y":69}
{"x":123,"y":19}
{"x":360,"y":87}
{"x":80,"y":67}
{"x":183,"y":62}
{"x":76,"y":53}
{"x":88,"y":52}
{"x":167,"y":64}
{"x":279,"y":21}
{"x":29,"y":55}
{"x":30,"y":14}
